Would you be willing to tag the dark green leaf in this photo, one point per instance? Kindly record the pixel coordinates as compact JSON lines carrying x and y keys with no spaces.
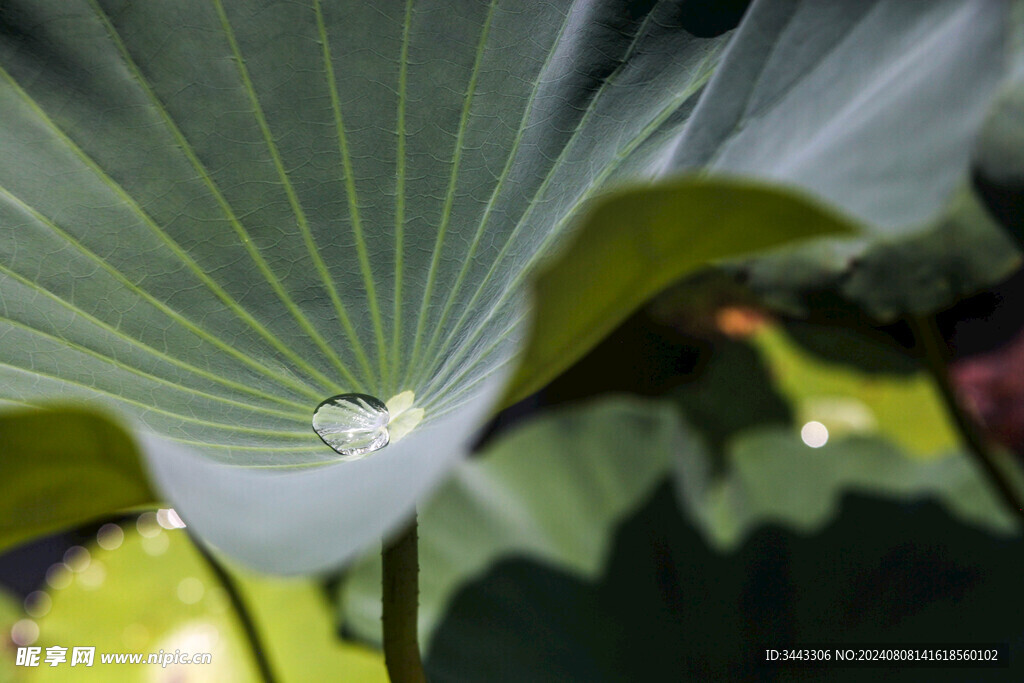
{"x":666,"y":607}
{"x":553,"y":490}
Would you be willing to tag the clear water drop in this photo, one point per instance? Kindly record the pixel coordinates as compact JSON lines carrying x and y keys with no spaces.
{"x":352,"y":424}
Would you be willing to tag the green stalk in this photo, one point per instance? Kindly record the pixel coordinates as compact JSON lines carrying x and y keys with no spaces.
{"x":401,"y":608}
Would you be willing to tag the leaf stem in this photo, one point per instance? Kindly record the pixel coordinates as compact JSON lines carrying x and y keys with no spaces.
{"x":241,"y":611}
{"x":401,"y":607}
{"x":936,"y":355}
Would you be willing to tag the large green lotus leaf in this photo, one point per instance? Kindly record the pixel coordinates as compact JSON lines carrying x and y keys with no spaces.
{"x":554,"y":490}
{"x":874,"y":107}
{"x":217,"y":214}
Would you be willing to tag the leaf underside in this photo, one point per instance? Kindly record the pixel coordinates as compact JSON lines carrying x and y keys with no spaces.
{"x":217,"y":214}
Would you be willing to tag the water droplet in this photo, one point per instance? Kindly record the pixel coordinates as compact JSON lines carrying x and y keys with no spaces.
{"x":352,"y":424}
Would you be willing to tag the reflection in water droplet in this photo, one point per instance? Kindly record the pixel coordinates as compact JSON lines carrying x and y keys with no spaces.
{"x":352,"y":424}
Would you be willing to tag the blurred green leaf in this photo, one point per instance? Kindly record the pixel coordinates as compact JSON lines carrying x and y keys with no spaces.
{"x":840,"y":100}
{"x":844,"y":338}
{"x":154,"y":592}
{"x":10,"y":612}
{"x":636,"y":242}
{"x":298,"y":624}
{"x":554,"y":489}
{"x":667,"y":607}
{"x":905,"y":409}
{"x":773,"y":477}
{"x":64,"y":466}
{"x":709,"y":398}
{"x":998,"y":173}
{"x":958,"y":254}
{"x":1000,"y":150}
